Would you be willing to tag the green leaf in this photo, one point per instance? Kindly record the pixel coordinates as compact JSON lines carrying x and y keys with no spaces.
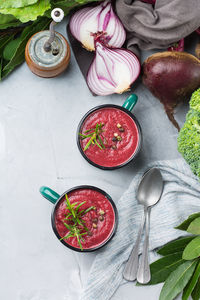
{"x":192,"y":250}
{"x":10,"y":48}
{"x":175,"y":246}
{"x":192,"y":283}
{"x":8,"y":21}
{"x":1,"y":65}
{"x":16,"y":3}
{"x":177,"y":280}
{"x":28,"y":13}
{"x":196,"y":291}
{"x":186,"y":223}
{"x":4,"y":41}
{"x":194,"y":227}
{"x":164,"y":266}
{"x":18,"y":56}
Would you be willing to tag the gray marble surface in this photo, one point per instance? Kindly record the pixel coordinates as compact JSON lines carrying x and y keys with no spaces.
{"x":38,"y":121}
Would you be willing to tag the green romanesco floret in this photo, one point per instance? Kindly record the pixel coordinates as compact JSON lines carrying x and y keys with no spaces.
{"x":189,"y":135}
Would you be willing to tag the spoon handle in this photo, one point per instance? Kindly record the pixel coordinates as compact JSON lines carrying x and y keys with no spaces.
{"x":131,"y":268}
{"x":144,"y":274}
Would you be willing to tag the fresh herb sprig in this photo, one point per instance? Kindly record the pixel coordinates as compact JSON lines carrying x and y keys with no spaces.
{"x":74,"y":222}
{"x":179,"y":268}
{"x":94,"y":135}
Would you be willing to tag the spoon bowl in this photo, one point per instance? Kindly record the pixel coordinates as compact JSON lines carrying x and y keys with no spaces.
{"x":150,"y":188}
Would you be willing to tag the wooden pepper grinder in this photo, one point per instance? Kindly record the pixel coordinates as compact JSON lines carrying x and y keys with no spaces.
{"x":47,"y":52}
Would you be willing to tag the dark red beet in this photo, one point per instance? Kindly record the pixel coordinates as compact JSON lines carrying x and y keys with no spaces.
{"x":171,"y":77}
{"x":179,"y":46}
{"x":149,"y":1}
{"x":198,"y":30}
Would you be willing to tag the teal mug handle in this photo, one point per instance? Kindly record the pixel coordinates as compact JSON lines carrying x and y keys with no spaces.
{"x":49,"y":194}
{"x":130,"y":102}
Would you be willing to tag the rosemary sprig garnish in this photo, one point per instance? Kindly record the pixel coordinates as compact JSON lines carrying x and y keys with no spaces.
{"x":94,"y":135}
{"x":74,"y":222}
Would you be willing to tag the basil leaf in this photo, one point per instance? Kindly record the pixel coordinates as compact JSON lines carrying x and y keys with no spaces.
{"x":191,"y":285}
{"x":175,"y":246}
{"x":163,"y":267}
{"x":192,"y":250}
{"x":194,"y":227}
{"x":177,"y":280}
{"x":196,"y":291}
{"x":186,"y":223}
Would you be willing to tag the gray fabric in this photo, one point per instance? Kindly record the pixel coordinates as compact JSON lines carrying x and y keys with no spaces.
{"x":158,"y":27}
{"x":181,"y":197}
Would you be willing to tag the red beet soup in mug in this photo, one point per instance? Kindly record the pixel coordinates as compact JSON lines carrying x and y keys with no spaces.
{"x":120,"y":137}
{"x":100,"y":221}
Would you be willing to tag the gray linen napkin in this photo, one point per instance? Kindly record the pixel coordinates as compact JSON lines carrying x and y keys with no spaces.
{"x":158,"y":27}
{"x":181,"y":197}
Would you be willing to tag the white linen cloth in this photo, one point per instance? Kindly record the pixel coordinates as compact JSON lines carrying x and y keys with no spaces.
{"x":181,"y":197}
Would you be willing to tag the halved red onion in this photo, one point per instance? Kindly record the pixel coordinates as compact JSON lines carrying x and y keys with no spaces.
{"x":112,"y":70}
{"x":101,"y":18}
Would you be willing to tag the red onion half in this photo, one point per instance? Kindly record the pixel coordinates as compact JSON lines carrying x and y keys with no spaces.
{"x":112,"y":70}
{"x":101,"y":18}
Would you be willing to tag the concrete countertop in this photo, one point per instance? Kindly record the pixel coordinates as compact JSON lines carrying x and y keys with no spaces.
{"x":38,"y":122}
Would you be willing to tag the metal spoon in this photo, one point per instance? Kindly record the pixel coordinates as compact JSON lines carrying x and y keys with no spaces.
{"x":148,"y":194}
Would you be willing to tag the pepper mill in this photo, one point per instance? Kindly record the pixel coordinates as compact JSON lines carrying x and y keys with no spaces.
{"x":47,"y":52}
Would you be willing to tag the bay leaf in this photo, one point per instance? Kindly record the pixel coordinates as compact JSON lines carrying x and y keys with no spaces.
{"x":186,"y":223}
{"x":164,"y":266}
{"x":177,"y":280}
{"x":196,"y":291}
{"x":175,"y":246}
{"x":192,"y":283}
{"x":194,"y":227}
{"x":192,"y":250}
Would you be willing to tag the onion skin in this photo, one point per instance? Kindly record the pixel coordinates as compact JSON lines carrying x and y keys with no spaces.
{"x":171,"y":77}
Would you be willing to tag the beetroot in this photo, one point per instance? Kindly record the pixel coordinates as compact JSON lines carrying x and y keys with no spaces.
{"x":179,"y":46}
{"x":149,"y":1}
{"x":171,"y":77}
{"x":197,"y":50}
